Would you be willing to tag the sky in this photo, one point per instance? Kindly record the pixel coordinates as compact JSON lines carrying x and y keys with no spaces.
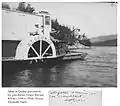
{"x":93,"y":19}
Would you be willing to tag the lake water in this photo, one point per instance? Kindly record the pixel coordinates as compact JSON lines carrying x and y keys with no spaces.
{"x":99,"y":69}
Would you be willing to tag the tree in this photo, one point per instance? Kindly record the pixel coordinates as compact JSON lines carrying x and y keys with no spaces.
{"x":55,"y":24}
{"x":79,"y":37}
{"x":84,"y":40}
{"x":5,"y":5}
{"x":29,"y":9}
{"x":64,"y":32}
{"x":22,"y":7}
{"x":83,"y":37}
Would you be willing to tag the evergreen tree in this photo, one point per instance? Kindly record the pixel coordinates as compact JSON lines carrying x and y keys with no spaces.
{"x":21,"y":7}
{"x":5,"y":5}
{"x":29,"y":9}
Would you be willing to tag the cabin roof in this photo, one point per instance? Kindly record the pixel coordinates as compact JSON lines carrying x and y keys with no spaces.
{"x":36,"y":14}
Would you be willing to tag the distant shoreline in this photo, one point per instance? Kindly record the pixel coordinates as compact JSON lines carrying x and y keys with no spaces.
{"x":112,"y":42}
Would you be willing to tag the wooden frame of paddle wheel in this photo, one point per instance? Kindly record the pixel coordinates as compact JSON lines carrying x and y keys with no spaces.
{"x":36,"y":47}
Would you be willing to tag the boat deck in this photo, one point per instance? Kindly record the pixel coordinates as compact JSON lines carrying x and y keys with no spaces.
{"x":69,"y":56}
{"x":74,"y":56}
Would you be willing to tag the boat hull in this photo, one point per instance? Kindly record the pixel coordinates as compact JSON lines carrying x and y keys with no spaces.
{"x":45,"y":61}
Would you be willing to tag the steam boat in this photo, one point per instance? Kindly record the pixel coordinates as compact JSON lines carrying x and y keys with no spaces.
{"x":27,"y":37}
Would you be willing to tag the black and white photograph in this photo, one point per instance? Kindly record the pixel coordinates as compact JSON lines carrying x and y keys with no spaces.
{"x":59,"y":44}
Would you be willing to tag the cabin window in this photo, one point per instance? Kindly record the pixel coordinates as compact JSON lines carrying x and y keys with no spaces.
{"x":47,"y":20}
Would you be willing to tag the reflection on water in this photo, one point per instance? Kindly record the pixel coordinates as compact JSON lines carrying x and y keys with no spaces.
{"x":99,"y":69}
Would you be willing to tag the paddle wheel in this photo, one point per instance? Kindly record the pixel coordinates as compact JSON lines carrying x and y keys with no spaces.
{"x":35,"y":47}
